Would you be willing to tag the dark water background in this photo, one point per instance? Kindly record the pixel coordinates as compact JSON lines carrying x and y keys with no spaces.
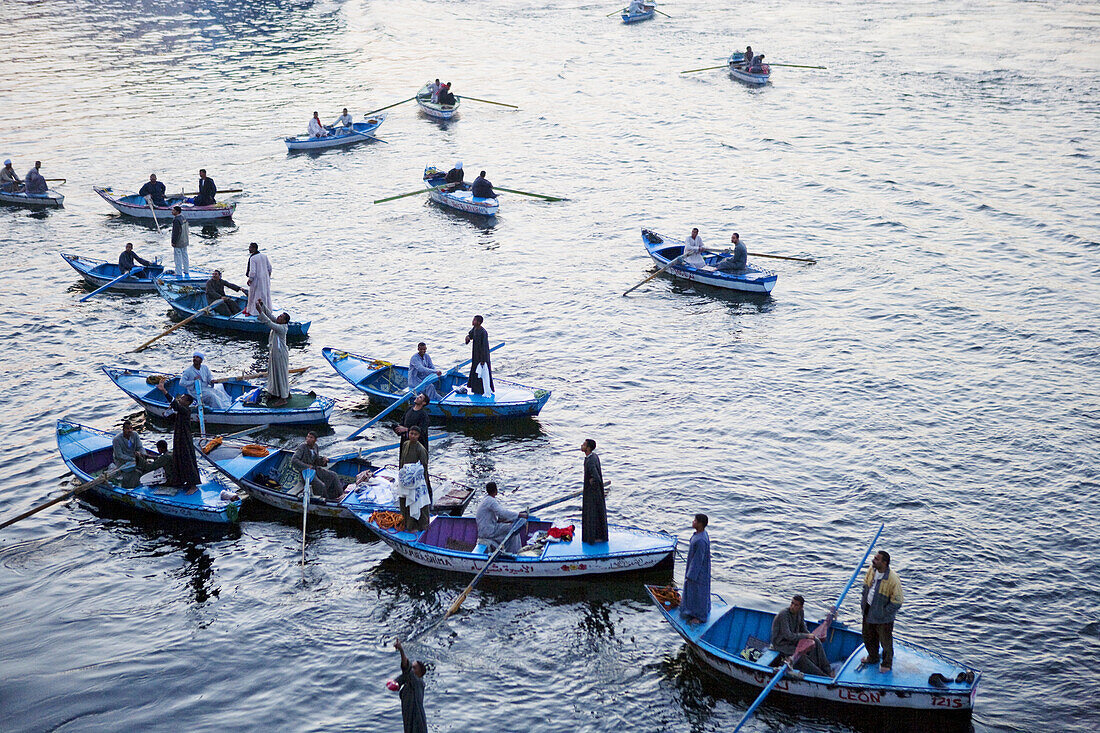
{"x":935,"y":370}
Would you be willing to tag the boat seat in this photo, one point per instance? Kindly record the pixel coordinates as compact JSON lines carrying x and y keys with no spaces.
{"x":768,"y":658}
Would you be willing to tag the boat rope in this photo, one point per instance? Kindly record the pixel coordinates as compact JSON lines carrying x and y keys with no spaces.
{"x":388,"y":520}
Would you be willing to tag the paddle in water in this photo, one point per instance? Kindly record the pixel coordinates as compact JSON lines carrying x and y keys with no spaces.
{"x":535,"y":195}
{"x":486,"y":101}
{"x":412,"y":193}
{"x":388,"y":106}
{"x":71,"y":492}
{"x":133,"y":271}
{"x":307,"y":477}
{"x":820,"y":632}
{"x":643,"y":282}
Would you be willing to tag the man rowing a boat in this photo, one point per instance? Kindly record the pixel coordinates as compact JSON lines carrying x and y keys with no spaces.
{"x":637,"y":7}
{"x":433,"y":89}
{"x":153,"y":190}
{"x":739,"y":262}
{"x":126,"y":448}
{"x":127,"y":258}
{"x":213,"y":395}
{"x":325,"y":484}
{"x":420,"y":368}
{"x":316,"y":129}
{"x":694,"y":249}
{"x":207,"y":189}
{"x":343,"y":120}
{"x":445,"y":96}
{"x":9,"y":181}
{"x":215,"y":291}
{"x":34,"y":182}
{"x":494,"y":521}
{"x":746,"y":58}
{"x":482,"y":188}
{"x":788,"y":629}
{"x":455,"y":175}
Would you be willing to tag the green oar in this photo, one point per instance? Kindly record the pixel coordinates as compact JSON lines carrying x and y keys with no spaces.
{"x":413,"y":193}
{"x":782,"y":257}
{"x":486,"y":101}
{"x":375,"y":111}
{"x":664,"y":14}
{"x":616,"y":12}
{"x":797,"y":66}
{"x":525,"y":193}
{"x":706,"y":68}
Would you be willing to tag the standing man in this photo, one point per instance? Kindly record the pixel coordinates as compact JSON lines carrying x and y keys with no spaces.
{"x":154,"y":190}
{"x":789,"y":629}
{"x":185,"y":464}
{"x":593,"y":508}
{"x":494,"y":521}
{"x":9,"y":181}
{"x":412,"y":693}
{"x":481,"y":188}
{"x":127,"y":258}
{"x":433,"y":89}
{"x":258,"y":272}
{"x":181,"y":233}
{"x":213,"y":395}
{"x":693,"y":250}
{"x":413,"y":452}
{"x":215,"y":291}
{"x":415,"y":417}
{"x":421,"y":367}
{"x":126,"y":448}
{"x":325,"y":484}
{"x":881,"y":598}
{"x":278,"y":356}
{"x":207,"y":189}
{"x":34,"y":181}
{"x":695,"y":606}
{"x":481,"y":368}
{"x":740,"y":260}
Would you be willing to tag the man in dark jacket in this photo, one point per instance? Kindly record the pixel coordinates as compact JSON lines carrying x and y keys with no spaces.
{"x":127,"y":258}
{"x":788,"y":629}
{"x":154,"y":189}
{"x":881,"y":598}
{"x":482,"y":188}
{"x":480,"y":363}
{"x":207,"y":189}
{"x":593,"y":507}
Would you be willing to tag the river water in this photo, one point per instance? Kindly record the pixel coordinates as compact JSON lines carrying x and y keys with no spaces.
{"x":936,"y":370}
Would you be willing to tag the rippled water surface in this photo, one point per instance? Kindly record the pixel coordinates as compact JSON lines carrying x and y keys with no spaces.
{"x":936,"y":370}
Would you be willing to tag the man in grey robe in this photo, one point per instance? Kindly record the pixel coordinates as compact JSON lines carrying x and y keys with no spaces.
{"x":593,"y":507}
{"x":34,"y":181}
{"x":278,"y":356}
{"x":420,"y":368}
{"x":739,"y":262}
{"x":695,"y":600}
{"x":788,"y":629}
{"x":126,"y":448}
{"x":494,"y":521}
{"x":326,"y":484}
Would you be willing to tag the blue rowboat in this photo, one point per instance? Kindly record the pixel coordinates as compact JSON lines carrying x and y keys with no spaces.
{"x":137,"y":207}
{"x":434,"y":109}
{"x":645,"y":13}
{"x":753,"y":279}
{"x":302,"y":409}
{"x":460,"y":198}
{"x":272,"y":480}
{"x":188,"y":297}
{"x":725,"y":642}
{"x":359,"y":132}
{"x":450,"y":543}
{"x":87,"y":453}
{"x":48,"y":200}
{"x":740,"y":72}
{"x":386,"y":383}
{"x":98,"y":273}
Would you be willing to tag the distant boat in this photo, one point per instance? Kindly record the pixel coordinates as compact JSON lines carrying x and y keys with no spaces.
{"x":739,"y":71}
{"x":188,"y":297}
{"x":47,"y":200}
{"x":460,"y":198}
{"x":733,"y":641}
{"x":752,"y":279}
{"x":87,"y":452}
{"x":98,"y":273}
{"x":435,"y":109}
{"x":359,"y":132}
{"x":645,"y":13}
{"x":386,"y":383}
{"x":137,"y":207}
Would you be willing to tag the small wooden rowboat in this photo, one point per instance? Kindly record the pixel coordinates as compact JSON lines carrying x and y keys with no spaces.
{"x":752,"y":279}
{"x":359,"y":132}
{"x":272,"y":480}
{"x":188,"y":297}
{"x":386,"y":383}
{"x":87,"y":453}
{"x":435,"y":109}
{"x":98,"y":273}
{"x":48,"y":200}
{"x":450,"y":543}
{"x":302,"y":409}
{"x":725,"y":642}
{"x":739,"y":71}
{"x":460,"y":197}
{"x":646,"y":13}
{"x":137,"y":207}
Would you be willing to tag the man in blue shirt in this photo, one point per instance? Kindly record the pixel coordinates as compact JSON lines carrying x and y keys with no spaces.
{"x":154,"y":189}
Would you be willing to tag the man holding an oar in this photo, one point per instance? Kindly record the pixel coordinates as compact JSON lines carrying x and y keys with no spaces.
{"x":128,"y":257}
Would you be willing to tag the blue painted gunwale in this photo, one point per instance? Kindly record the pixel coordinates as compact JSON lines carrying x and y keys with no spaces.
{"x":188,"y":296}
{"x":755,"y":279}
{"x":735,"y":63}
{"x":98,"y":273}
{"x":387,"y":383}
{"x":341,"y":138}
{"x":86,"y":451}
{"x":646,"y":14}
{"x":136,"y":206}
{"x":720,"y":639}
{"x":460,"y":199}
{"x":132,"y":382}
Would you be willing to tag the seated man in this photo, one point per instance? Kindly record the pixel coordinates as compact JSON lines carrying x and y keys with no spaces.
{"x":213,"y":395}
{"x":789,"y":628}
{"x":420,"y":368}
{"x":126,"y":448}
{"x":494,"y":521}
{"x":343,"y":120}
{"x":433,"y":89}
{"x":127,"y":258}
{"x":693,"y":250}
{"x":746,"y":58}
{"x":445,"y":96}
{"x":636,"y":6}
{"x":316,"y":129}
{"x":455,"y":175}
{"x":740,"y":260}
{"x":9,"y":181}
{"x":34,"y":181}
{"x":326,"y":484}
{"x":757,"y":66}
{"x":163,"y":461}
{"x":154,"y":190}
{"x":482,"y":188}
{"x":215,"y":291}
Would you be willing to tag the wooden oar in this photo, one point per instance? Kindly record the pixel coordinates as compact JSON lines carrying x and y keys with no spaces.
{"x":412,"y":393}
{"x":54,"y":180}
{"x":643,"y":282}
{"x":149,"y":200}
{"x":615,"y":12}
{"x":705,"y":68}
{"x":369,"y":137}
{"x":820,"y":632}
{"x":664,"y":14}
{"x":783,"y":257}
{"x":307,"y":476}
{"x":375,"y":111}
{"x":536,"y":195}
{"x":227,"y":190}
{"x":487,"y":101}
{"x":120,"y":278}
{"x":184,"y":322}
{"x":796,"y":66}
{"x":413,"y":193}
{"x":257,"y":375}
{"x":72,"y":492}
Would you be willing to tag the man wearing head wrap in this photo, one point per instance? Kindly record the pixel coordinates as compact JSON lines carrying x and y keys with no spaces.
{"x":258,"y":272}
{"x":34,"y":181}
{"x":9,"y":182}
{"x":455,"y":175}
{"x":213,"y":395}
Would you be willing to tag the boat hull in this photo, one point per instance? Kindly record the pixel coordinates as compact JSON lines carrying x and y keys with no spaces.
{"x":434,"y":109}
{"x":460,"y":199}
{"x":752,"y":80}
{"x":187,"y":297}
{"x":48,"y":200}
{"x":363,"y":129}
{"x":386,"y":383}
{"x":86,"y":451}
{"x":132,"y":205}
{"x":753,"y":280}
{"x":98,"y":273}
{"x":638,"y":17}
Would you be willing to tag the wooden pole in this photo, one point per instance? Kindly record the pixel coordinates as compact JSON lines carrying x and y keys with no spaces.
{"x":184,"y":322}
{"x":525,"y":193}
{"x":72,"y":492}
{"x":375,"y":111}
{"x":486,"y":101}
{"x":413,"y":193}
{"x":257,"y":375}
{"x":705,"y":68}
{"x":643,"y":282}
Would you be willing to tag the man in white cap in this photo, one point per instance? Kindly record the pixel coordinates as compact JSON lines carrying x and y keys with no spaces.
{"x":455,"y":175}
{"x":213,"y":395}
{"x":9,"y":181}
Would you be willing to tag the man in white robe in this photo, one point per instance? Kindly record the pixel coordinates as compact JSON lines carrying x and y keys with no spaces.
{"x":693,"y":250}
{"x":213,"y":395}
{"x":494,"y":521}
{"x":258,"y":272}
{"x":316,"y":129}
{"x":278,"y":357}
{"x":433,"y":89}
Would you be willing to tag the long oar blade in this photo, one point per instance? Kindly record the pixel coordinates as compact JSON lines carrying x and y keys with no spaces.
{"x":706,"y":68}
{"x":797,"y":66}
{"x":664,"y":14}
{"x":412,"y":193}
{"x":760,"y":698}
{"x":71,"y":492}
{"x":810,"y":260}
{"x":643,"y":282}
{"x":133,"y":271}
{"x":488,"y":101}
{"x":182,"y":323}
{"x":536,"y":195}
{"x":375,"y":111}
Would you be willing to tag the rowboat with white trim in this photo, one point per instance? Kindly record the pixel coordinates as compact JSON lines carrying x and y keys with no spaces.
{"x":734,"y":641}
{"x":457,"y":196}
{"x":646,"y":13}
{"x":47,"y":200}
{"x":88,"y":452}
{"x":137,"y":207}
{"x":98,"y":273}
{"x":739,"y":71}
{"x":188,"y":297}
{"x":753,"y":279}
{"x":357,"y":133}
{"x":435,"y":109}
{"x":247,"y":408}
{"x":386,"y":383}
